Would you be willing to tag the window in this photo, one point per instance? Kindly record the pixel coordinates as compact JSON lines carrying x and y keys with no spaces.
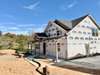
{"x":82,"y":38}
{"x":94,"y":32}
{"x":91,"y":38}
{"x":89,"y":33}
{"x":84,"y":32}
{"x":50,"y":44}
{"x":98,"y":38}
{"x":91,"y":41}
{"x":54,"y":34}
{"x":80,"y":32}
{"x":83,"y":26}
{"x":74,"y":31}
{"x":53,"y":29}
{"x":62,"y":43}
{"x":56,"y":28}
{"x":49,"y":30}
{"x":50,"y":25}
{"x":95,"y":38}
{"x":58,"y":46}
{"x":58,"y":33}
{"x":52,"y":40}
{"x":76,"y":38}
{"x":86,"y":38}
{"x":70,"y":37}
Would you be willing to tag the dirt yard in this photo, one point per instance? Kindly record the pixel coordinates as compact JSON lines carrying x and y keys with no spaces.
{"x":10,"y":65}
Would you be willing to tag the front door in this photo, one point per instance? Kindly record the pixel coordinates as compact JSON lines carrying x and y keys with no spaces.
{"x":44,"y":48}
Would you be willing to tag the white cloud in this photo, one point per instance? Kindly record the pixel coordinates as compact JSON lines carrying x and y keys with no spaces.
{"x":32,"y":6}
{"x":13,"y":28}
{"x":10,"y":16}
{"x":22,"y":28}
{"x":68,"y":5}
{"x":72,"y":5}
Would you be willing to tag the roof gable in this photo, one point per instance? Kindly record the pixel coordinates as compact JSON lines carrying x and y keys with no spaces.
{"x":68,"y":25}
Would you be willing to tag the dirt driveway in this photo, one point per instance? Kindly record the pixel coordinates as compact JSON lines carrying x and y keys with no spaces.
{"x":10,"y":65}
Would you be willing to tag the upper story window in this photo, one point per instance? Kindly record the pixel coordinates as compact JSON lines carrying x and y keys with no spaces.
{"x":84,"y":32}
{"x":83,"y":26}
{"x":70,"y":37}
{"x":58,"y":33}
{"x":53,"y":29}
{"x":89,"y":33}
{"x":56,"y":28}
{"x":91,"y":38}
{"x":50,"y":25}
{"x":74,"y":31}
{"x":86,"y":38}
{"x":77,"y":38}
{"x":98,"y":38}
{"x":94,"y":32}
{"x":80,"y":32}
{"x":95,"y":38}
{"x":54,"y":34}
{"x":49,"y":30}
{"x":82,"y":38}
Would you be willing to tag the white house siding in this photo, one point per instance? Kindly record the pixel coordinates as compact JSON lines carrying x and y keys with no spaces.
{"x":77,"y":46}
{"x":63,"y":48}
{"x":52,"y":44}
{"x":50,"y":48}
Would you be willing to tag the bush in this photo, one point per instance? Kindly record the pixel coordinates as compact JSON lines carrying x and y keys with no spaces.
{"x":1,"y":47}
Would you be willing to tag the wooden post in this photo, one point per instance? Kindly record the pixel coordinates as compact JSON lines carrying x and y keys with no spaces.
{"x":45,"y":70}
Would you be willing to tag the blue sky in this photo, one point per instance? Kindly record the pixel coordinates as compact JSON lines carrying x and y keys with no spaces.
{"x":25,"y":16}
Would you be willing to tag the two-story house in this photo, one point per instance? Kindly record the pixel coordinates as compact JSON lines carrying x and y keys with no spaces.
{"x":70,"y":39}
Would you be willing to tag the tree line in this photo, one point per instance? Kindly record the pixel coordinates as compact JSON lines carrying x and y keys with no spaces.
{"x":14,"y":41}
